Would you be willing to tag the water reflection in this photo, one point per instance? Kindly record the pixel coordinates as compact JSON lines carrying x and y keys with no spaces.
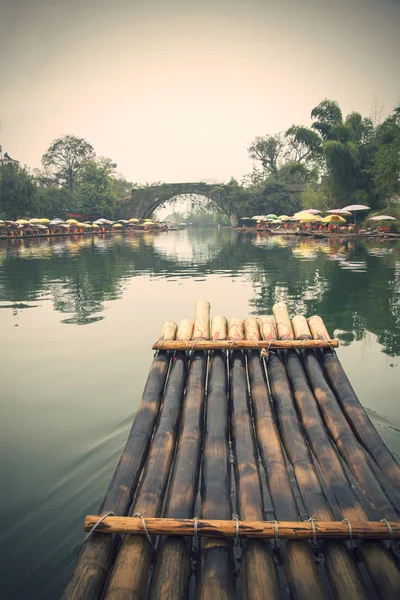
{"x":354,"y":285}
{"x":68,"y":393}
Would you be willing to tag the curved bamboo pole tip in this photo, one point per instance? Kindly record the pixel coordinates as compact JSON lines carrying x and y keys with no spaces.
{"x":251,"y":329}
{"x":185,"y":330}
{"x":201,"y":330}
{"x":219,"y":328}
{"x":235,"y":329}
{"x":283,"y":323}
{"x":318,"y":329}
{"x":268,"y":328}
{"x":168,"y":331}
{"x":301,"y":328}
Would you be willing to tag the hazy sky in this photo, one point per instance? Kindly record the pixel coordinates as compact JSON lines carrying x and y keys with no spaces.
{"x":176,"y":90}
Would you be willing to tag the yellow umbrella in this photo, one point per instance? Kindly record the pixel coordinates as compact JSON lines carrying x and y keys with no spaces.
{"x":333,"y":219}
{"x":72,"y":221}
{"x":284,"y":217}
{"x":22,"y":222}
{"x":95,"y":226}
{"x":307,"y":217}
{"x":44,"y":221}
{"x":133,"y":220}
{"x":117,"y":226}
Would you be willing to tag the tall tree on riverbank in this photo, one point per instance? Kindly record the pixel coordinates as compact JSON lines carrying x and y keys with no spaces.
{"x":66,"y":157}
{"x":385,"y":167}
{"x":346,"y":148}
{"x":17,"y":192}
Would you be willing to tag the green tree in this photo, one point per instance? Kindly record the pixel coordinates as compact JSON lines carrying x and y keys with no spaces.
{"x":385,"y":167}
{"x":66,"y":157}
{"x":95,"y":194}
{"x":54,"y":202}
{"x":17,"y":192}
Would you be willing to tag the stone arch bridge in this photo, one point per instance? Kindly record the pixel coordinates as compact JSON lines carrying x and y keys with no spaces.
{"x":144,"y":201}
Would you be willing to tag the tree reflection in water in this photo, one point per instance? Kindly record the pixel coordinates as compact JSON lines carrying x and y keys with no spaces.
{"x":353,"y":284}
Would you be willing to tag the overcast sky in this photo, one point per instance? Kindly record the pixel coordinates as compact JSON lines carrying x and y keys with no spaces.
{"x":176,"y":90}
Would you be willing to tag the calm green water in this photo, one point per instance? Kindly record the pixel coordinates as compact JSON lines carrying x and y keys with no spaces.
{"x":77,"y":322}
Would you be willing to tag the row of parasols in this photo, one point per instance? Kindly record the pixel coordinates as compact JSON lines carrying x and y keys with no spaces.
{"x":60,"y":224}
{"x":313,"y":215}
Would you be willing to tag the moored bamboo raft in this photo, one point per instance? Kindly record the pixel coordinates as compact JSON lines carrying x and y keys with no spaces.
{"x":270,"y":395}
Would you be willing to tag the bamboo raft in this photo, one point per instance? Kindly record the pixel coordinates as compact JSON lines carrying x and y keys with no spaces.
{"x":251,"y":471}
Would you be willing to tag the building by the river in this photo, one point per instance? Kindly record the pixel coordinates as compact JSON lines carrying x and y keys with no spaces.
{"x":6,"y":159}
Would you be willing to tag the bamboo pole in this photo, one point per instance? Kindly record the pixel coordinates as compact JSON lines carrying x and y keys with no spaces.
{"x":300,"y":569}
{"x":226,"y":528}
{"x":185,"y":330}
{"x":300,"y":328}
{"x":126,"y":581}
{"x":201,"y":329}
{"x":219,"y":328}
{"x":239,"y":344}
{"x":345,"y":440}
{"x":215,"y":581}
{"x":343,"y":575}
{"x":283,"y":322}
{"x":172,"y":566}
{"x":97,"y":554}
{"x":379,"y":563}
{"x":259,"y":576}
{"x":268,"y":328}
{"x":353,"y":409}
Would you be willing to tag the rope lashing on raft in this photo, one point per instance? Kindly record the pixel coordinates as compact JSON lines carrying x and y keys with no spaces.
{"x":107,"y":514}
{"x":159,"y":349}
{"x":195,"y":546}
{"x":390,"y":532}
{"x":314,"y":542}
{"x":237,"y":549}
{"x":140,"y":516}
{"x":277,"y":542}
{"x":346,"y":520}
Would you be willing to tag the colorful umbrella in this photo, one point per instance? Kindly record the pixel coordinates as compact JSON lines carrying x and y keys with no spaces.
{"x":339,"y":211}
{"x":353,"y":207}
{"x":333,"y":219}
{"x":307,"y":217}
{"x":382,"y":218}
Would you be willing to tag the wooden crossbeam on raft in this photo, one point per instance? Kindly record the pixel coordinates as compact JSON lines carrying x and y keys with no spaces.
{"x":245,"y":344}
{"x":286,"y":530}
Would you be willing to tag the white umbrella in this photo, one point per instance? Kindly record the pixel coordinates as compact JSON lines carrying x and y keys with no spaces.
{"x":339,"y":211}
{"x":355,"y":207}
{"x":382,"y":218}
{"x":312,"y":211}
{"x":352,"y":207}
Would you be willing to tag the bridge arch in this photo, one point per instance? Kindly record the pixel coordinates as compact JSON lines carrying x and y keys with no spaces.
{"x":145,"y":200}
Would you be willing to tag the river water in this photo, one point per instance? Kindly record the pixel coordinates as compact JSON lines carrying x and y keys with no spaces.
{"x":78,"y":319}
